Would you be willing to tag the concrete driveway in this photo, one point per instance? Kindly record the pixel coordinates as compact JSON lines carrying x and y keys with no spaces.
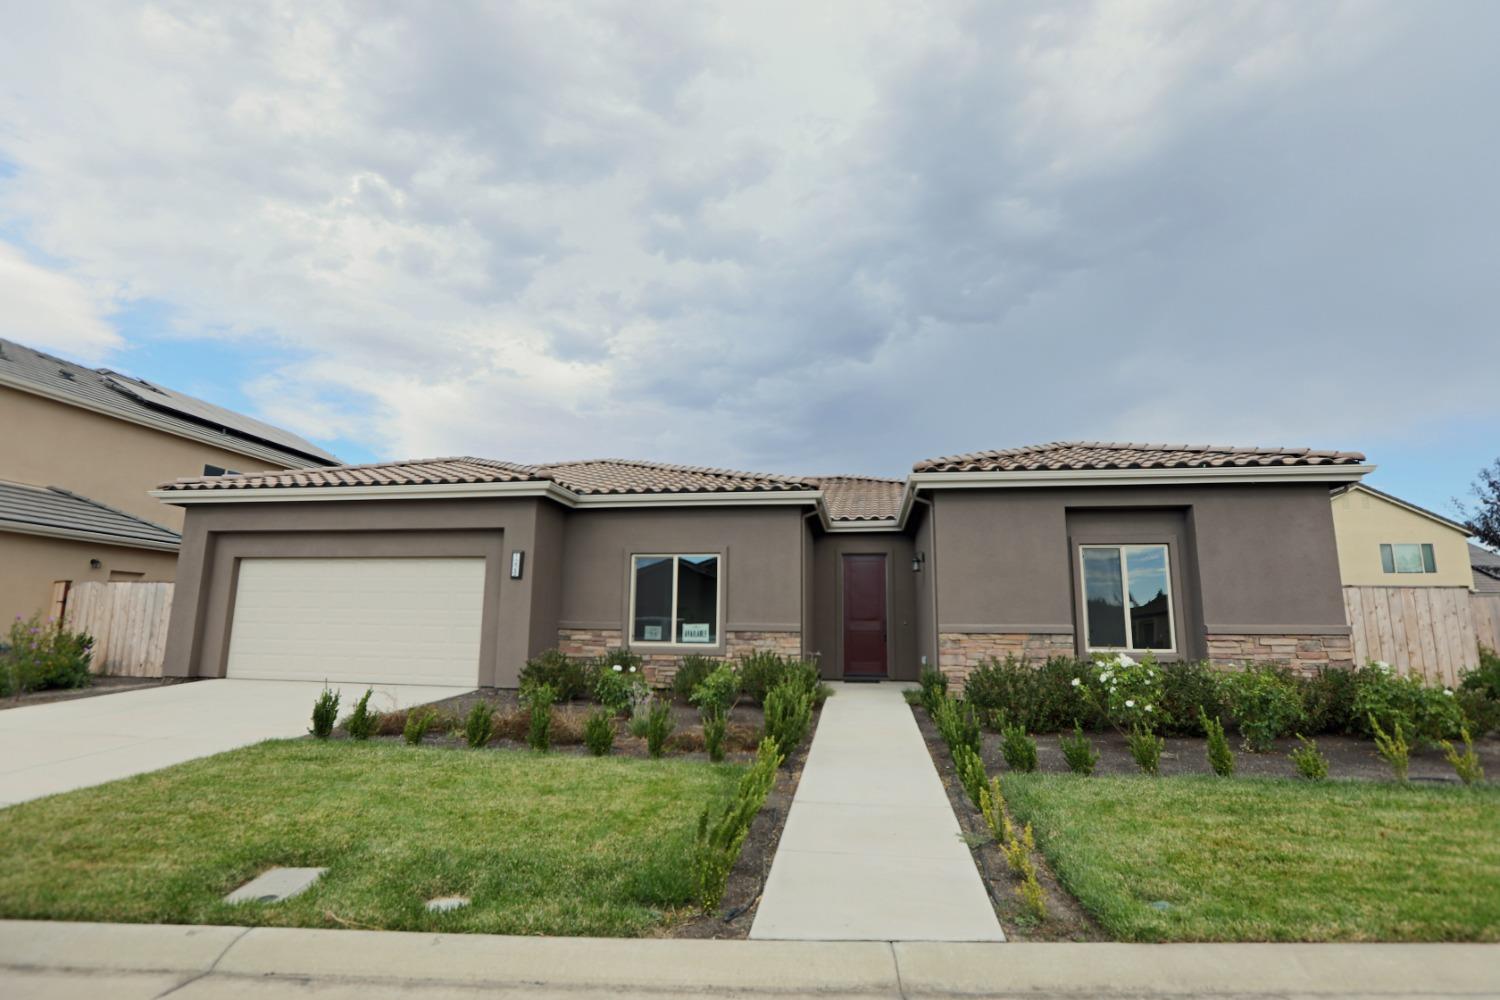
{"x":46,"y":749}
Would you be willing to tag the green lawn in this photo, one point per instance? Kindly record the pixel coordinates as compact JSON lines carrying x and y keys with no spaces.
{"x":543,"y":844}
{"x":1270,"y":860}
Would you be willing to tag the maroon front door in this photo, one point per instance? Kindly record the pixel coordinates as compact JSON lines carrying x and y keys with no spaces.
{"x":864,"y":616}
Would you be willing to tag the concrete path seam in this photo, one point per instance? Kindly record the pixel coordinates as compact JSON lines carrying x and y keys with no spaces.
{"x":211,"y":965}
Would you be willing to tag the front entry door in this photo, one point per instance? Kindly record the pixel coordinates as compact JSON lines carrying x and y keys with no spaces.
{"x":864,"y":616}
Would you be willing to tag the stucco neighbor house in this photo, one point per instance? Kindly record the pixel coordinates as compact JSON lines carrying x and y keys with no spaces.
{"x":457,"y":570}
{"x":1385,"y":541}
{"x":80,"y":450}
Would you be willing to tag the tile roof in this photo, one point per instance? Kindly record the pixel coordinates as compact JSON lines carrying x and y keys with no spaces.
{"x":619,"y":475}
{"x":112,"y":392}
{"x":1486,"y":567}
{"x":53,"y":510}
{"x":1067,"y":455}
{"x":861,"y":498}
{"x":427,"y":471}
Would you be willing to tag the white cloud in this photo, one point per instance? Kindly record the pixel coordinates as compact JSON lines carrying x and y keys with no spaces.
{"x":44,"y":308}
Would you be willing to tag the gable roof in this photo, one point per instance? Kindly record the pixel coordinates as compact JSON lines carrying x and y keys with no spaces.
{"x":627,"y":476}
{"x":1089,"y":455}
{"x":1446,"y":522}
{"x":1486,"y":567}
{"x":139,"y":401}
{"x":861,"y":498}
{"x":55,"y":512}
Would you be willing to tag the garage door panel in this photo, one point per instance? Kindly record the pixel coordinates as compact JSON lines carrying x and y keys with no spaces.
{"x":411,"y":621}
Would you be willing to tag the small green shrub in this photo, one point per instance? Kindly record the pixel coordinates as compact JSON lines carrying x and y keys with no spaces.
{"x":599,"y":732}
{"x":361,"y":722}
{"x":1328,"y":701}
{"x":1145,"y":749}
{"x":717,"y":690}
{"x":479,"y":725}
{"x":569,"y":677}
{"x":539,"y":699}
{"x":1427,"y":713}
{"x":1039,"y":697}
{"x":760,"y":670}
{"x":619,"y":686}
{"x":1188,"y":687}
{"x":1266,"y":704}
{"x":1018,"y":749}
{"x":416,"y":725}
{"x":1032,"y":897}
{"x":1466,"y":765}
{"x":992,"y":808}
{"x":1484,"y":678}
{"x":957,"y":724}
{"x":934,"y":688}
{"x":1078,"y":750}
{"x":1220,"y":757}
{"x":788,"y":712}
{"x":715,"y":727}
{"x":691,"y":670}
{"x":1480,"y":711}
{"x":971,"y":774}
{"x":325,"y":713}
{"x":659,"y":726}
{"x":1310,"y":762}
{"x":1393,"y":747}
{"x":718,"y":841}
{"x":41,"y":655}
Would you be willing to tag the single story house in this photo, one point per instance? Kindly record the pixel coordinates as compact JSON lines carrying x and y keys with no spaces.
{"x":457,"y":570}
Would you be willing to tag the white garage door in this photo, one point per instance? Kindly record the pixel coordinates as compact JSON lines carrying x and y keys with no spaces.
{"x":392,"y":621}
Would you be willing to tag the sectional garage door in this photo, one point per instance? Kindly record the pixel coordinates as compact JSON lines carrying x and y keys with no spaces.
{"x":392,"y":621}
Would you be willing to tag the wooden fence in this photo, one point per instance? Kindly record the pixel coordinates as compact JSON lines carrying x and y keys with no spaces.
{"x":1428,"y":631}
{"x":128,"y":622}
{"x":1484,"y":609}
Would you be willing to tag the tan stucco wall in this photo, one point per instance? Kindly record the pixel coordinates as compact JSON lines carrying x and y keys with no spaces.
{"x":30,"y":563}
{"x":1362,"y":522}
{"x":47,"y":443}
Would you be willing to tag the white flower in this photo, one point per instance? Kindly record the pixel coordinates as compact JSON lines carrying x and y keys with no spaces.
{"x":617,"y":668}
{"x":1077,"y":682}
{"x":1130,"y":703}
{"x":1150,"y":709}
{"x":1448,"y":692}
{"x":1124,"y":661}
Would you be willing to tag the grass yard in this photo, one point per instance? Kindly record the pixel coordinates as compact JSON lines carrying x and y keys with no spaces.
{"x":1268,"y":859}
{"x":542,"y":844}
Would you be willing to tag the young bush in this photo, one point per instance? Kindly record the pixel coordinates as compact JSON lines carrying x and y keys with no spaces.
{"x":1038,"y":697}
{"x":788,"y":711}
{"x":715,"y":727}
{"x":619,"y":686}
{"x":325,"y":714}
{"x":718,"y":842}
{"x":1078,"y":750}
{"x":479,"y":725}
{"x":417,"y":724}
{"x":1393,"y":747}
{"x":1328,"y":701}
{"x":760,"y":670}
{"x":691,"y":670}
{"x":1186,"y":688}
{"x":1428,"y":714}
{"x":717,"y":690}
{"x":992,"y":807}
{"x":1220,"y":757}
{"x":957,"y":724}
{"x":41,"y":655}
{"x":970,"y":773}
{"x":658,"y":726}
{"x":1145,"y":749}
{"x":599,"y":732}
{"x":568,"y":677}
{"x":1466,"y":765}
{"x":1018,"y":853}
{"x":1480,"y":711}
{"x":1310,"y":762}
{"x":1030,"y":891}
{"x":1484,"y":678}
{"x":1128,"y":691}
{"x":1266,"y":704}
{"x":539,"y":699}
{"x":362,"y":722}
{"x":1018,"y":749}
{"x":934,"y":685}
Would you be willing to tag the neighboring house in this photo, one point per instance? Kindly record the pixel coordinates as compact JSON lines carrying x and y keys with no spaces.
{"x":80,"y":452}
{"x":1486,"y":568}
{"x":457,"y":570}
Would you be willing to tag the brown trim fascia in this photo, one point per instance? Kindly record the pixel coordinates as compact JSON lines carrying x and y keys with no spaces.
{"x":1212,"y":630}
{"x":1008,"y":629}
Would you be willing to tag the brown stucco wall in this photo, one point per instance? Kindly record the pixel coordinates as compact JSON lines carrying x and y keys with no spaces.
{"x":922,"y":524}
{"x":116,"y":462}
{"x":215,"y":536}
{"x":901,"y":600}
{"x":29,"y":564}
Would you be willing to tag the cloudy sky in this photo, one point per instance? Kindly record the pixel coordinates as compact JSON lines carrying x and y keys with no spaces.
{"x":803,"y":237}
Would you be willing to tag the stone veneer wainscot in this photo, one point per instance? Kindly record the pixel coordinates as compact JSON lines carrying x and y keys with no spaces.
{"x":960,"y":652}
{"x":660,"y":667}
{"x":1304,"y":654}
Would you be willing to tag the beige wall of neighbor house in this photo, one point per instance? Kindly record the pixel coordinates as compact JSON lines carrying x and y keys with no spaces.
{"x":30,"y":564}
{"x":113,"y":461}
{"x":1363,"y":520}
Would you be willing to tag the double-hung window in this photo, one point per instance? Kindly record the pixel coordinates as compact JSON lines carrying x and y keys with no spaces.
{"x":1127,"y":593}
{"x":1403,"y":558}
{"x":674,"y":599}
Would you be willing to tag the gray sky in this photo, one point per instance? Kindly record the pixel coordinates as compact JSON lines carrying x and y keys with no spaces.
{"x":798,"y":237}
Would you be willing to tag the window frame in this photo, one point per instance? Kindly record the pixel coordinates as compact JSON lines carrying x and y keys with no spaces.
{"x":1171,"y":594}
{"x":1426,"y":553}
{"x":674,"y":643}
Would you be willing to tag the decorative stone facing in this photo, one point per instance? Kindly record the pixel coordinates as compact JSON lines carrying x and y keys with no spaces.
{"x":960,"y":652}
{"x":1304,"y":654}
{"x":660,"y":667}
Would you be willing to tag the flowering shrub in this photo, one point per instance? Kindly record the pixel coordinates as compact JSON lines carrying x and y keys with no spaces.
{"x":620,"y":686}
{"x":1129,"y":691}
{"x":1428,"y":713}
{"x":1266,"y":703}
{"x":44,"y":654}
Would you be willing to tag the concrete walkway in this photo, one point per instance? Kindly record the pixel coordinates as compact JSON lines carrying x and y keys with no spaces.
{"x":56,"y":747}
{"x":871,"y":849}
{"x":139,"y":961}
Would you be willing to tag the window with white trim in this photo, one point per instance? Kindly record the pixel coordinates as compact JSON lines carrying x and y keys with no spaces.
{"x":1408,"y":558}
{"x":1127,"y":595}
{"x":674,"y":599}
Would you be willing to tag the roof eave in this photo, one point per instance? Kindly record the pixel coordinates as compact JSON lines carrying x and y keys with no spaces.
{"x":1140,"y":477}
{"x":80,"y":535}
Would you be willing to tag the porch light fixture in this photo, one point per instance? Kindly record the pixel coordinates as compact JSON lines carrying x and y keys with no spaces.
{"x":95,"y":564}
{"x":917,"y":561}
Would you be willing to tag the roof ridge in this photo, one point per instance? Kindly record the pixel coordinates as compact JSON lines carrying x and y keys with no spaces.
{"x":854,"y":476}
{"x":642,"y":463}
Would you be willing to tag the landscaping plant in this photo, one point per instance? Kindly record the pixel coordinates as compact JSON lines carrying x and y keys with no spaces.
{"x":957,"y":723}
{"x":1190,"y":690}
{"x":1037,"y":697}
{"x":718,"y":842}
{"x":1393,"y":747}
{"x":1078,"y":750}
{"x":1220,"y":757}
{"x":619,"y":686}
{"x":1266,"y":704}
{"x":325,"y":714}
{"x":691,"y":671}
{"x":992,"y":808}
{"x":934,"y":685}
{"x":1130,"y":691}
{"x":658,"y":726}
{"x":788,"y":712}
{"x":1466,"y":765}
{"x":539,"y":699}
{"x":599,"y":732}
{"x":715,"y":696}
{"x":361,"y":722}
{"x":1428,"y":713}
{"x":417,"y":724}
{"x":568,"y":677}
{"x":40,"y":655}
{"x":479,"y":725}
{"x":1145,"y":748}
{"x":971,"y":774}
{"x":1311,"y":763}
{"x":1018,"y":749}
{"x":1328,"y":701}
{"x":715,"y":728}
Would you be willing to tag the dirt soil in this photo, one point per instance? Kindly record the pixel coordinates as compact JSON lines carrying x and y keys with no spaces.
{"x":100,"y":685}
{"x":1066,"y":918}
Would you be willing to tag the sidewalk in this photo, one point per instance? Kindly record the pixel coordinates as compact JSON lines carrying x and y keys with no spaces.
{"x":140,"y":961}
{"x":871,"y":850}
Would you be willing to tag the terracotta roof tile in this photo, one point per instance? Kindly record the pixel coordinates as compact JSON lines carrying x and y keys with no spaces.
{"x":620,"y":475}
{"x":421,"y":471}
{"x":861,"y":498}
{"x":1067,"y":455}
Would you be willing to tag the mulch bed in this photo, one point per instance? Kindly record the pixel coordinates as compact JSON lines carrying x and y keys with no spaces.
{"x":99,"y":686}
{"x":1066,"y":918}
